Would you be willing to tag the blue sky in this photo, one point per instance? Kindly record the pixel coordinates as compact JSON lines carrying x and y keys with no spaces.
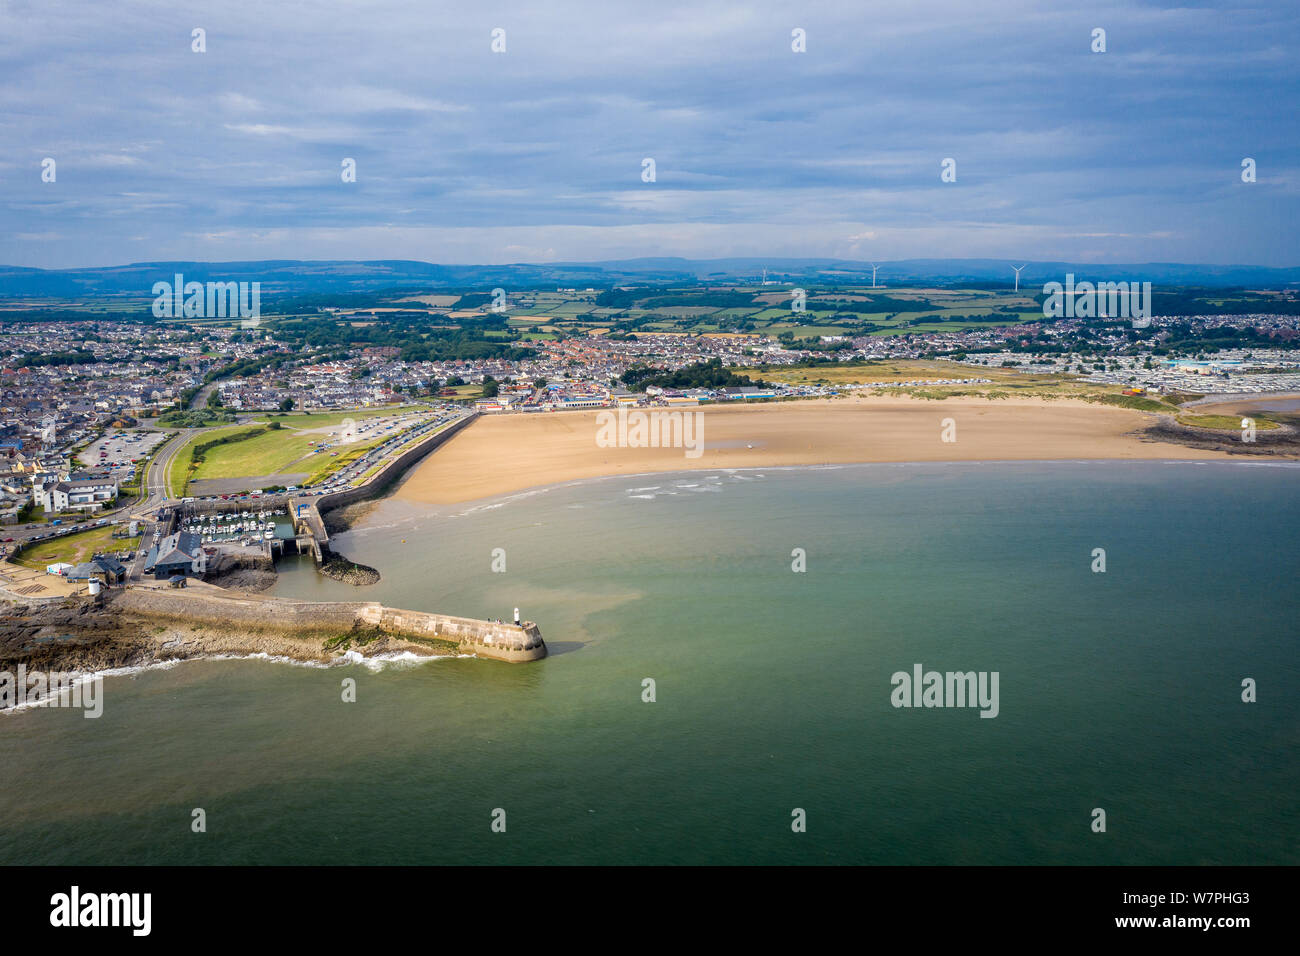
{"x":464,"y":155}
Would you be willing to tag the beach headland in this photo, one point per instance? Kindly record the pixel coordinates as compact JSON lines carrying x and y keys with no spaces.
{"x":502,"y":454}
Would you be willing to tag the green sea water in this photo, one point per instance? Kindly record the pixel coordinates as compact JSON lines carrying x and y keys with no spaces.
{"x":1118,"y":690}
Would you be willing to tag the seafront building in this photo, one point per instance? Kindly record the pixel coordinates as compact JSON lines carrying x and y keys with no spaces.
{"x":180,"y":553}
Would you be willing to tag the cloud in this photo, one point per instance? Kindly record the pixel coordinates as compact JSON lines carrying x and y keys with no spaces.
{"x":760,"y":151}
{"x":259,"y":129}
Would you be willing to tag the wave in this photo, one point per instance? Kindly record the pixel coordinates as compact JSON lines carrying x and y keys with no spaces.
{"x":396,"y":659}
{"x":80,"y":678}
{"x":502,"y":502}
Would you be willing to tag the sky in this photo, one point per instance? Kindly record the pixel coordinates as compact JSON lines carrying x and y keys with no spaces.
{"x":536,"y":154}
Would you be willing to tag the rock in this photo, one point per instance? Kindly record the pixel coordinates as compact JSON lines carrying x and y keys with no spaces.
{"x":339,"y":568}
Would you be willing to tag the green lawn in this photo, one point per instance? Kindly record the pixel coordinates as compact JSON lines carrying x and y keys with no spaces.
{"x":274,"y":451}
{"x":178,"y":469}
{"x":260,"y":450}
{"x":74,"y":548}
{"x":1226,"y":422}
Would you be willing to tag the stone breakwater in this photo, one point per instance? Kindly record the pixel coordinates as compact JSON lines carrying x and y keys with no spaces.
{"x":503,"y":642}
{"x":339,"y":568}
{"x":339,"y":502}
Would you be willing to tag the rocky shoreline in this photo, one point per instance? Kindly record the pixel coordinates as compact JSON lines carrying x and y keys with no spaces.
{"x":246,"y":579}
{"x":339,"y":568}
{"x":1283,"y":441}
{"x":338,"y":520}
{"x":84,"y":635}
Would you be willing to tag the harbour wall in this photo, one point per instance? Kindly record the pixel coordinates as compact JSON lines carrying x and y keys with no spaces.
{"x":316,"y":506}
{"x":504,"y":642}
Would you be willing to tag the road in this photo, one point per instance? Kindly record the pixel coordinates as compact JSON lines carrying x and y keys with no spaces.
{"x":200,"y":399}
{"x":154,"y":486}
{"x":155,"y":492}
{"x":155,"y":476}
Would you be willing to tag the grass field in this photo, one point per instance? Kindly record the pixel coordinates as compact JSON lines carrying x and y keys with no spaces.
{"x":74,"y":548}
{"x":272,"y":451}
{"x":1226,"y":422}
{"x":900,"y":370}
{"x":892,"y":311}
{"x":468,"y":391}
{"x":178,"y":469}
{"x":259,"y":450}
{"x":263,"y":452}
{"x":1006,"y":383}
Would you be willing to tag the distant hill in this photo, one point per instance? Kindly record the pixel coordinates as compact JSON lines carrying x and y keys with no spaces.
{"x":291,"y":277}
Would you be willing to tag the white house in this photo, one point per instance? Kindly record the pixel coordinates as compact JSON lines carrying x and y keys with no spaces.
{"x":84,"y":495}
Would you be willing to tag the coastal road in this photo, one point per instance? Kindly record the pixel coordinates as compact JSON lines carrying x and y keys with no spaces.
{"x":155,"y":493}
{"x":153,"y":485}
{"x":155,"y":476}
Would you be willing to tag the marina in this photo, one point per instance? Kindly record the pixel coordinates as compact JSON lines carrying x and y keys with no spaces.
{"x":242,"y":527}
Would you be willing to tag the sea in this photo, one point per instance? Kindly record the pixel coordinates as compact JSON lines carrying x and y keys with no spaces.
{"x":723,"y":683}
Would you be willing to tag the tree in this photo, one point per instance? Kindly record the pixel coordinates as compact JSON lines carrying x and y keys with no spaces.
{"x":286,"y":404}
{"x":490,"y":388}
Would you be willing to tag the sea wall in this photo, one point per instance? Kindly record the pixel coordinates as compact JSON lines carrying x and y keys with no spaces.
{"x":236,"y":505}
{"x":505,"y":642}
{"x":231,"y":561}
{"x":308,"y":512}
{"x":392,"y":472}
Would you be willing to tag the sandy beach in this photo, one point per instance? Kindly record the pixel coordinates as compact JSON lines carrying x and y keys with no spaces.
{"x":499,"y":454}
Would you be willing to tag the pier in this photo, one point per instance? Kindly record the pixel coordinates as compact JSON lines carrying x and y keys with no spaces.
{"x":309,"y":619}
{"x":306,"y":511}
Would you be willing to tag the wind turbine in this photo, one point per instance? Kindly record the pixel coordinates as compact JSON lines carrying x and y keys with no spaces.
{"x":1017,"y":272}
{"x":873,"y":275}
